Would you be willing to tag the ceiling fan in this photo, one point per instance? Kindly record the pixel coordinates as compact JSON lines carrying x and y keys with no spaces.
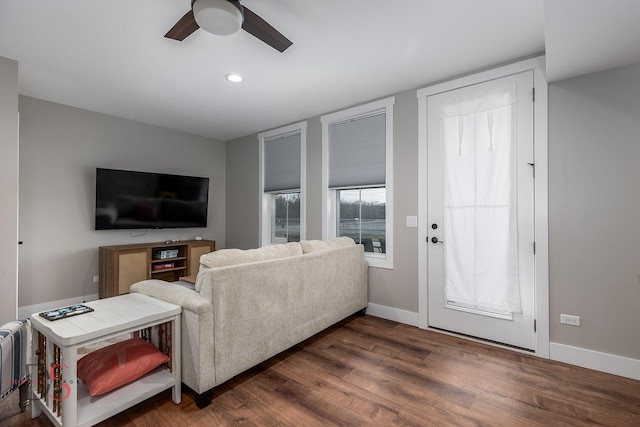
{"x":226,"y":17}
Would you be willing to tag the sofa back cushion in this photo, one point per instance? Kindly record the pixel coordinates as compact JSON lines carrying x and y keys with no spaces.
{"x":309,"y":246}
{"x":227,"y":257}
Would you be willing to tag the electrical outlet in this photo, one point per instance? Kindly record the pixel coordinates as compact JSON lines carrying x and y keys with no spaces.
{"x":567,"y":319}
{"x":96,"y":279}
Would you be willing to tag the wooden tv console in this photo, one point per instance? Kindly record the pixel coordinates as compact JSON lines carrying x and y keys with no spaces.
{"x":123,"y":265}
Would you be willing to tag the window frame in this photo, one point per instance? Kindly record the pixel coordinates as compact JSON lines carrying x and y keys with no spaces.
{"x":329,"y":196}
{"x":265,"y":211}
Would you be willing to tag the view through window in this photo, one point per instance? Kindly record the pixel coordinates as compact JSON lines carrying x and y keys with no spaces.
{"x":285,"y":226}
{"x":361,"y":214}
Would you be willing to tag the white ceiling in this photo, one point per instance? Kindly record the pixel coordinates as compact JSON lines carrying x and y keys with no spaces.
{"x":586,"y":36}
{"x":110,"y":56}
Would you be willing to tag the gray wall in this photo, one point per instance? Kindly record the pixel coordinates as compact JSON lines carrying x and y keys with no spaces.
{"x":594,"y":204}
{"x":8,"y":188}
{"x":395,"y":288}
{"x":594,"y":150}
{"x":60,"y":148}
{"x":314,"y":179}
{"x":242,"y":193}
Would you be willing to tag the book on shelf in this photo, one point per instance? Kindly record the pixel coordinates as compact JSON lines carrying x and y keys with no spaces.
{"x":163,"y":266}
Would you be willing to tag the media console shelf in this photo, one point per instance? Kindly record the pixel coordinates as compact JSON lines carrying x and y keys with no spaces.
{"x":123,"y":265}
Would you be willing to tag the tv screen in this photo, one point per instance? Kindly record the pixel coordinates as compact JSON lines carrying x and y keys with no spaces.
{"x":133,"y":200}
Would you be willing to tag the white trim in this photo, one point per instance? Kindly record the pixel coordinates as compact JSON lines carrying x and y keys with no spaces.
{"x":541,"y":197}
{"x":17,"y":248}
{"x":395,"y":314}
{"x":604,"y":362}
{"x":303,"y":181}
{"x":360,"y":110}
{"x":328,"y":195}
{"x":541,"y":189}
{"x":423,"y":226}
{"x":388,"y":261}
{"x":494,"y":73}
{"x":27,"y":310}
{"x":264,"y":222}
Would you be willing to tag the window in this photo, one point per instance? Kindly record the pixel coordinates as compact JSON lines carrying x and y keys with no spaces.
{"x":357,"y":149}
{"x":361,"y":216}
{"x":285,"y":219}
{"x":282,"y":184}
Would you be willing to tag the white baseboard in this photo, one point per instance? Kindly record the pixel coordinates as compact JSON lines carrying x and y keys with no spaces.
{"x":395,"y":314}
{"x":28,"y":310}
{"x":609,"y":363}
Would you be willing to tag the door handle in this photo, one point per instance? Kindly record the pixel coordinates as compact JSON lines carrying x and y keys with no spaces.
{"x":435,"y":240}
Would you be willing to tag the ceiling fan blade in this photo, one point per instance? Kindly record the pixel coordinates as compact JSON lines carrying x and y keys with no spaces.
{"x":183,"y":28}
{"x":259,"y":28}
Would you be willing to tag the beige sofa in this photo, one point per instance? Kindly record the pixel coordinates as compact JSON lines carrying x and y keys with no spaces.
{"x":249,"y":305}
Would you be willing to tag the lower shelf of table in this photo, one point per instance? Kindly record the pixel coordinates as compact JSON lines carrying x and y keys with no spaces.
{"x":92,"y":410}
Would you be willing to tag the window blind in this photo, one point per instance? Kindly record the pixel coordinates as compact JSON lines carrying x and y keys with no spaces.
{"x":357,"y":151}
{"x":282,"y":163}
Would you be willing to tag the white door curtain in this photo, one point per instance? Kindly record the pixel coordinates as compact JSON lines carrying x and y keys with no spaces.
{"x":480,"y":201}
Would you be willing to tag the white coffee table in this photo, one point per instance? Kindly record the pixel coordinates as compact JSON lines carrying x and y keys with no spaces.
{"x":111,"y":317}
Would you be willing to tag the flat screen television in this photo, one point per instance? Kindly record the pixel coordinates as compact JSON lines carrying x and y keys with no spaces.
{"x":135,"y":200}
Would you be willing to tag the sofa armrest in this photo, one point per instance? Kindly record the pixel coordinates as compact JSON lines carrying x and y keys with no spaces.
{"x":187,"y":298}
{"x":198,"y":370}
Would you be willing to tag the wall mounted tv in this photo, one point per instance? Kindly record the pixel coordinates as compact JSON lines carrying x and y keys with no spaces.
{"x":134,"y":200}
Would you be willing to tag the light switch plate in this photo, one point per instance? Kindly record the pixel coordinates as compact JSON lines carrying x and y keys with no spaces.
{"x":412,"y":221}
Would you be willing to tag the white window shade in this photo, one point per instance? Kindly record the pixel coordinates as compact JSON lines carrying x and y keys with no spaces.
{"x":282,"y":163}
{"x":357,"y":152}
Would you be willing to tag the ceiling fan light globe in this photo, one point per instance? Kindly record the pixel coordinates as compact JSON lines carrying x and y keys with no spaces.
{"x":219,"y":17}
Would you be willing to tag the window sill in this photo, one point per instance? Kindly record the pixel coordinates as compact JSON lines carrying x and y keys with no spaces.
{"x":379,"y":260}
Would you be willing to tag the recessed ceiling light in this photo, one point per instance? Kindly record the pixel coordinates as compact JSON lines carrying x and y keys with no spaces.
{"x":234,"y":78}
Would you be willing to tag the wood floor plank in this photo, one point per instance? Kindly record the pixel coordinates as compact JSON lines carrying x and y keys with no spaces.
{"x":368,"y":371}
{"x":524,"y":383}
{"x":370,"y":407}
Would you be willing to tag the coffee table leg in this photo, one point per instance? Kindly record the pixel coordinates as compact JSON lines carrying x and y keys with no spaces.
{"x":69,"y":395}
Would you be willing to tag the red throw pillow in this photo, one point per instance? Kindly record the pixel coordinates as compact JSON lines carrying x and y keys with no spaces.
{"x":113,"y":366}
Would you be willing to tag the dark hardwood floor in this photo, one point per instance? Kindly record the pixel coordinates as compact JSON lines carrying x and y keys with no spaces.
{"x":370,"y":371}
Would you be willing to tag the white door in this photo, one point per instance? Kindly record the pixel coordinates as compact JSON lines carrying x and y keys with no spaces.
{"x":481,"y":210}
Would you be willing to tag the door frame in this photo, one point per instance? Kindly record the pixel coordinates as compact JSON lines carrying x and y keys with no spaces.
{"x":541,"y":193}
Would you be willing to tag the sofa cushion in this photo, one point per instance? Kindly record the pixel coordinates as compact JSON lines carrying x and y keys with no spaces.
{"x":309,"y":246}
{"x":227,"y":257}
